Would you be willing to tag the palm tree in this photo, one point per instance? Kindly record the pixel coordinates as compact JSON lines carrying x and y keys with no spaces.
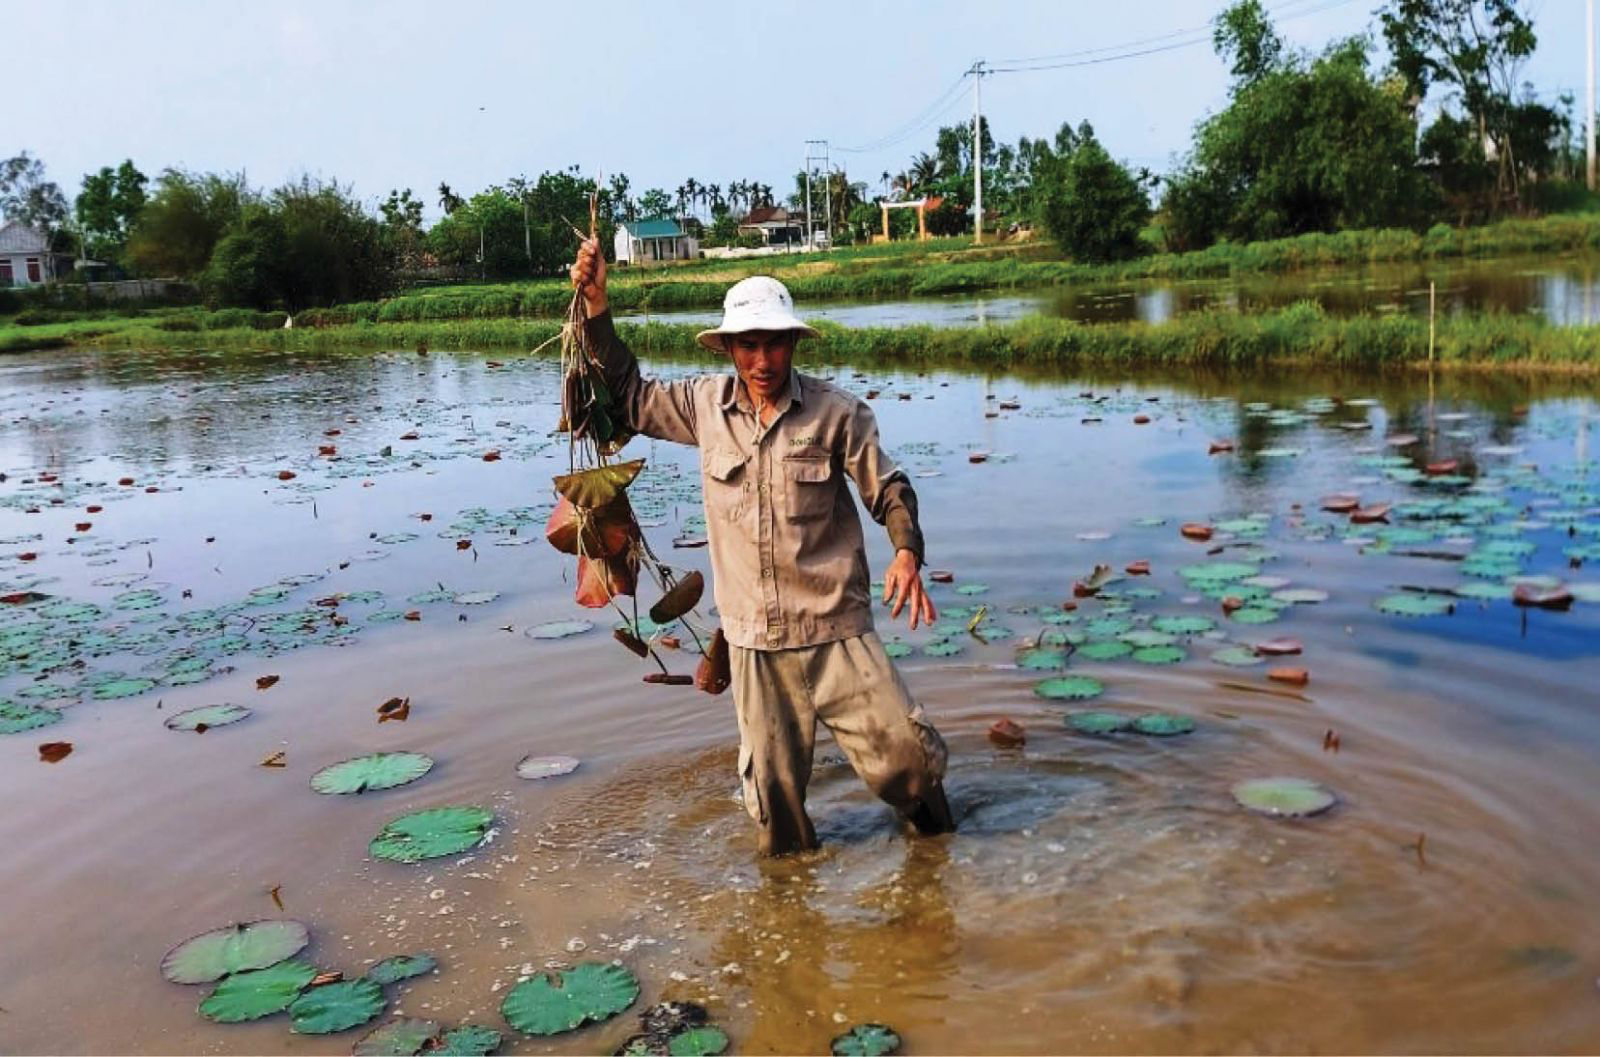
{"x":449,"y":201}
{"x":691,"y":188}
{"x":924,"y":171}
{"x":683,"y":195}
{"x":714,"y":193}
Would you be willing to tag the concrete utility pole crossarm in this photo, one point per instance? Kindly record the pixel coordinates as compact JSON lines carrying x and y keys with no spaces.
{"x":977,"y":151}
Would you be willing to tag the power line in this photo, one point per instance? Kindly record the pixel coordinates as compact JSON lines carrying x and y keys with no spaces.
{"x":916,"y":124}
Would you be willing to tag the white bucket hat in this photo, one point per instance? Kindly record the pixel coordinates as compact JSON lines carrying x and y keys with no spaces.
{"x":757,"y":303}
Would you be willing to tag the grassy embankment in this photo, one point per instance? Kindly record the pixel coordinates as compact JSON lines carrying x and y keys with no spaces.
{"x":1300,"y":334}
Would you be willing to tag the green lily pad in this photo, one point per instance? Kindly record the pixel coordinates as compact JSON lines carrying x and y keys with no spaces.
{"x":1253,"y":615}
{"x":944,"y":647}
{"x":1160,"y":655}
{"x":401,"y":967}
{"x":1284,"y":797}
{"x":1216,"y":572}
{"x":14,"y":719}
{"x":381,"y":770}
{"x":337,"y":1007}
{"x":121,"y":688}
{"x":1069,"y":688}
{"x":432,"y":833}
{"x":398,"y":1038}
{"x":1163,"y":724}
{"x":972,"y":589}
{"x":1183,"y":625}
{"x":469,"y":1040}
{"x":896,"y":650}
{"x":257,"y":993}
{"x":1098,"y":722}
{"x":1412,"y":604}
{"x":1303,"y":596}
{"x":705,"y":1041}
{"x":559,"y":629}
{"x":1041,"y":659}
{"x":1141,"y":638}
{"x":866,"y":1040}
{"x":204,"y":718}
{"x":235,"y":949}
{"x":475,"y":598}
{"x":590,"y":992}
{"x":1238,"y":657}
{"x":1108,"y":650}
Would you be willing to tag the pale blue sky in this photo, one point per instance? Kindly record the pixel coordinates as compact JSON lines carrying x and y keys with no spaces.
{"x":405,"y":94}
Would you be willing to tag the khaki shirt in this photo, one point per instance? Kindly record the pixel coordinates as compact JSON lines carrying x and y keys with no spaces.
{"x":789,"y":567}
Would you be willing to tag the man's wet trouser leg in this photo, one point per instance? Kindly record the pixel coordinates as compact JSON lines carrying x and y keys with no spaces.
{"x":853,"y":687}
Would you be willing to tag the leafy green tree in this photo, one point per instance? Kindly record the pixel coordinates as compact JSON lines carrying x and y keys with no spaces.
{"x":655,"y":203}
{"x":1243,"y":35}
{"x":248,"y":267}
{"x":27,"y":196}
{"x":401,"y":228}
{"x":1093,"y":207}
{"x":492,"y":236}
{"x":1309,"y":145}
{"x":184,"y":219}
{"x":107,"y":207}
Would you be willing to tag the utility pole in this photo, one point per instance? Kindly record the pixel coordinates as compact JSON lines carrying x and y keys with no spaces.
{"x":1588,"y":99}
{"x":816,"y":149}
{"x":977,"y":151}
{"x":808,"y":192}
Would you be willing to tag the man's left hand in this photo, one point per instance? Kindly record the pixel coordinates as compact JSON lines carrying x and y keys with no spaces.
{"x":902,"y":584}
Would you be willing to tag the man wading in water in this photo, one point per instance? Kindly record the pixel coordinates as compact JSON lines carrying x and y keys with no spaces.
{"x":787,"y":557}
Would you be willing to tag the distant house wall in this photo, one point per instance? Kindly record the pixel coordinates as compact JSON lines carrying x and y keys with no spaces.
{"x":25,"y":257}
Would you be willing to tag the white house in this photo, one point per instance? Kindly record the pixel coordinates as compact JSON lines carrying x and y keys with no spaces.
{"x":656,"y":239}
{"x":25,"y":257}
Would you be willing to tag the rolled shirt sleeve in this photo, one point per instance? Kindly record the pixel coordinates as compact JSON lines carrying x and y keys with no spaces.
{"x":885,"y":490}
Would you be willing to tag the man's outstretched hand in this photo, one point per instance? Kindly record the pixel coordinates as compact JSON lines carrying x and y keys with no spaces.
{"x":902,"y":585}
{"x":589,"y":275}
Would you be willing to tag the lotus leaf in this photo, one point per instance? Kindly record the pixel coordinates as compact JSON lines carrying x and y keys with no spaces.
{"x":382,"y":770}
{"x":1107,"y":627}
{"x":594,"y":488}
{"x":337,"y":1007}
{"x":972,"y":589}
{"x":253,"y":945}
{"x":469,"y":1040}
{"x":1098,"y":722}
{"x":1163,"y":724}
{"x":401,"y":967}
{"x":398,"y":1038}
{"x":1160,"y":654}
{"x":1414,"y":605}
{"x":1108,"y":650}
{"x":896,"y":650}
{"x":1183,"y":625}
{"x":1484,"y":592}
{"x":1069,"y":688}
{"x":1255,"y":614}
{"x":14,"y":719}
{"x":684,"y":596}
{"x":257,"y":993}
{"x":1286,"y":797}
{"x":1216,"y":572}
{"x":1041,"y":659}
{"x":866,"y":1040}
{"x":532,"y":767}
{"x":707,"y":1041}
{"x":592,"y":991}
{"x":475,"y":598}
{"x":559,"y":629}
{"x":944,"y":648}
{"x":206,"y":717}
{"x":1142,"y":637}
{"x":1238,"y":657}
{"x":432,"y":833}
{"x":115,"y":688}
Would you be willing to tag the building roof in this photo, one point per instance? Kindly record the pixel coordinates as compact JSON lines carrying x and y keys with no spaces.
{"x":17,"y":237}
{"x":654,"y":228}
{"x":768,"y":215}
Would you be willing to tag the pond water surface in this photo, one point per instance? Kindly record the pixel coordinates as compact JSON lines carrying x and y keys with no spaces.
{"x":1564,"y":291}
{"x":1103,"y":894}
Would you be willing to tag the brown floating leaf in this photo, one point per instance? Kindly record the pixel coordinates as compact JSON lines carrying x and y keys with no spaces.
{"x":93,"y":508}
{"x":1442,"y":467}
{"x":1330,"y":740}
{"x":413,"y":614}
{"x":265,"y":682}
{"x":1140,"y":420}
{"x":1368,"y":514}
{"x":684,"y":596}
{"x":396,"y":708}
{"x":1530,"y":596}
{"x":1138,"y":568}
{"x":287,"y":475}
{"x":666,"y":679}
{"x":276,"y":892}
{"x":1290,"y":676}
{"x":83,"y":526}
{"x":669,"y":642}
{"x":332,"y":432}
{"x":635,"y":644}
{"x":28,"y":556}
{"x":424,"y":517}
{"x":413,"y":435}
{"x":327,"y":976}
{"x":977,"y":456}
{"x":1196,"y":530}
{"x":125,"y":481}
{"x":1007,"y":734}
{"x":1231,"y":602}
{"x":462,"y":545}
{"x":1280,"y":647}
{"x":277,"y":759}
{"x":327,"y":449}
{"x":55,"y":751}
{"x":1220,"y":447}
{"x":1341,"y":502}
{"x":491,"y":456}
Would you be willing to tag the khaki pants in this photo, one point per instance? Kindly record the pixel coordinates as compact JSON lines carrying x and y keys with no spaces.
{"x":853,"y":688}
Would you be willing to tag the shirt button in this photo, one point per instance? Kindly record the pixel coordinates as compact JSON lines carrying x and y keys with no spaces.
{"x":766,"y":573}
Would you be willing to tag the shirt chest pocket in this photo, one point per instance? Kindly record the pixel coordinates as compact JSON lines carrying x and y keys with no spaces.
{"x":727,"y":484}
{"x":810,"y":488}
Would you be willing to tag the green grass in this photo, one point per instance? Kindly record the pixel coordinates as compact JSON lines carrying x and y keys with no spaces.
{"x":1299,"y":334}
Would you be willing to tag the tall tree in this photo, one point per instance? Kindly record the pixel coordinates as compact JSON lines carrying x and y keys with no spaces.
{"x":1093,"y":207}
{"x":27,"y":196}
{"x":107,"y":207}
{"x":1244,"y":37}
{"x":185,"y":217}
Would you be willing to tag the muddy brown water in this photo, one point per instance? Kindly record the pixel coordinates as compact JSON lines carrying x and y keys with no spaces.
{"x":1102,"y":894}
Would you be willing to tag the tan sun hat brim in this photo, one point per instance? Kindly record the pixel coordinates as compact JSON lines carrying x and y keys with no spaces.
{"x":712,"y":339}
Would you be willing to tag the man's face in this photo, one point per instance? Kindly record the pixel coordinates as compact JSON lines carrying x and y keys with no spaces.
{"x":762,"y":358}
